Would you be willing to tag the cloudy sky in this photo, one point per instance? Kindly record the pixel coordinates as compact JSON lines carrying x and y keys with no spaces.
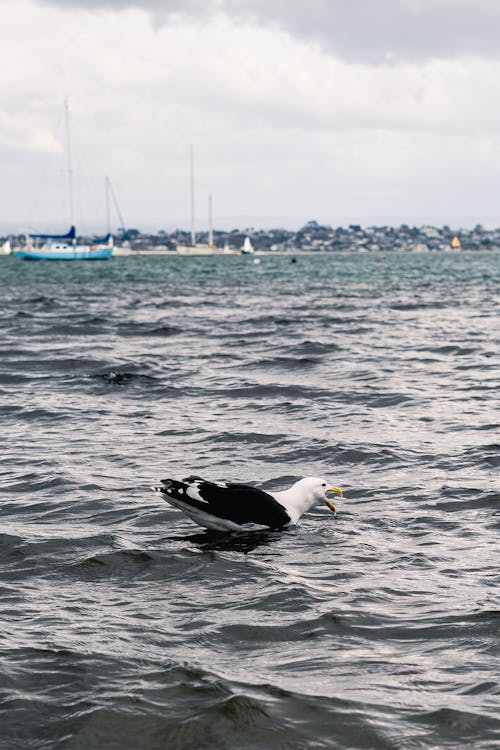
{"x":343,"y":111}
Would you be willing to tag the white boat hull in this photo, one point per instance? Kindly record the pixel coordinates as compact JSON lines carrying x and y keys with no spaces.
{"x":199,"y":249}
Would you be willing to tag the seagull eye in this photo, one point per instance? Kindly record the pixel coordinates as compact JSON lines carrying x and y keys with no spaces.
{"x":324,"y":484}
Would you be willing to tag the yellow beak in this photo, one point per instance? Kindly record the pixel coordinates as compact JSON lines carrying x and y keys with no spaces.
{"x":337,"y":491}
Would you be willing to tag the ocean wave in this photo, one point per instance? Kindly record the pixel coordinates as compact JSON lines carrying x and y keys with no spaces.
{"x":126,"y":625}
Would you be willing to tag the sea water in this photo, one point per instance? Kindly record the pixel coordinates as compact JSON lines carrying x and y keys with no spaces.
{"x":125,"y":626}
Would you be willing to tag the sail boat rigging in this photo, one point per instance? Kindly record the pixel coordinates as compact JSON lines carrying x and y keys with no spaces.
{"x":197,"y":248}
{"x":69,"y":166}
{"x":65,"y":246}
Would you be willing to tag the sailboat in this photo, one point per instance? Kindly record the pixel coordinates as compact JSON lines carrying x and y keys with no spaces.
{"x":124,"y":248}
{"x":247,"y":248}
{"x":65,"y":246}
{"x":198,"y":248}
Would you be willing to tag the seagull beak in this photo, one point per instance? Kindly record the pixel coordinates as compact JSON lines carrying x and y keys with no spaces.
{"x":337,"y":491}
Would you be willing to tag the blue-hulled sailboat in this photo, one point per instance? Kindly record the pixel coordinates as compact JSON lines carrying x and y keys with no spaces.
{"x":65,"y":246}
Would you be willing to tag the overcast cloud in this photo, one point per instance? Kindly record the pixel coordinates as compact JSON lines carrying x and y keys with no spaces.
{"x":374,"y":30}
{"x":382,"y":111}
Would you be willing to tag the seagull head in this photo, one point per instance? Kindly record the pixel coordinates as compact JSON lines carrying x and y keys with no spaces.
{"x":317,"y":490}
{"x":307,"y":493}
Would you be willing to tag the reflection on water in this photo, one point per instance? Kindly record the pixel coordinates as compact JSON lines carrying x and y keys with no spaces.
{"x":213,"y":541}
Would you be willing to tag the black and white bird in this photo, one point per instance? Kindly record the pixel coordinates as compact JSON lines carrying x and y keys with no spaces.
{"x":241,"y":507}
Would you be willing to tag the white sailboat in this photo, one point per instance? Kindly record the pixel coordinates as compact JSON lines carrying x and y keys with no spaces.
{"x":247,"y":248}
{"x":198,"y":248}
{"x":124,"y":247}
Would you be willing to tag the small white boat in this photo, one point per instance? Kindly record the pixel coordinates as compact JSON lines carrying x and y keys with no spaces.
{"x":198,"y":248}
{"x":123,"y":249}
{"x":247,"y":247}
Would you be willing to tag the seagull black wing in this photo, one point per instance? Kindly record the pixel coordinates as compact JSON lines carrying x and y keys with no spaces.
{"x":239,"y":503}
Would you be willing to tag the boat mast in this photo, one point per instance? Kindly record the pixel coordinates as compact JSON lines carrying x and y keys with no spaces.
{"x":108,"y":215}
{"x":70,"y":166}
{"x":111,"y":191}
{"x":210,"y":228}
{"x":193,"y":235}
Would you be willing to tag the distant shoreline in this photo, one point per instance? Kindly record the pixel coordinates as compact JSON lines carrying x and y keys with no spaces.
{"x":312,"y":238}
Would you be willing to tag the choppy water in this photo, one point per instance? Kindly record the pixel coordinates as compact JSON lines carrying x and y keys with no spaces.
{"x":124,"y":626}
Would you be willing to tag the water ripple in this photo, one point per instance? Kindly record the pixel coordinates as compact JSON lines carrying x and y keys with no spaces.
{"x":126,"y":626}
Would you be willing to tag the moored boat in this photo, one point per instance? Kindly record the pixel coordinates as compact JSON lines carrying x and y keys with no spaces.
{"x":64,"y":247}
{"x":247,"y":247}
{"x":198,"y":248}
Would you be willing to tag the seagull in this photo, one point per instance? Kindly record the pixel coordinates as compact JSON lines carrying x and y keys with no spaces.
{"x":241,"y":507}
